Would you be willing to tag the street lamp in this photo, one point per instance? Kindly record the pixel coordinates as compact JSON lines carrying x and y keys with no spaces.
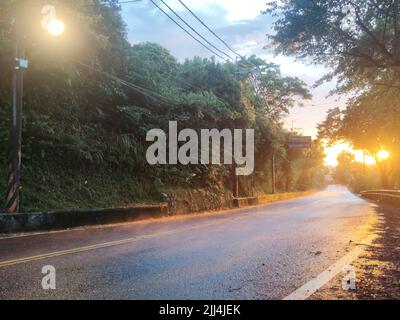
{"x":54,"y":27}
{"x":14,"y":177}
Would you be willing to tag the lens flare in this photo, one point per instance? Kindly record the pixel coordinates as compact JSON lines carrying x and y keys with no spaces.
{"x":56,"y":27}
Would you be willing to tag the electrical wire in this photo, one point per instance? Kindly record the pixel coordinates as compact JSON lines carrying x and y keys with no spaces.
{"x":209,"y":29}
{"x":186,"y":31}
{"x":131,"y":1}
{"x":146,"y":92}
{"x":195,"y":31}
{"x":248,"y":65}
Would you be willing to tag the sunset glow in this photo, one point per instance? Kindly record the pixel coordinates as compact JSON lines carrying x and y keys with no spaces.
{"x":333,"y":152}
{"x":383,"y":155}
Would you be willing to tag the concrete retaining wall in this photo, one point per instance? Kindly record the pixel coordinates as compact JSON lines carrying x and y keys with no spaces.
{"x":245,"y":202}
{"x":188,"y":201}
{"x":58,"y":220}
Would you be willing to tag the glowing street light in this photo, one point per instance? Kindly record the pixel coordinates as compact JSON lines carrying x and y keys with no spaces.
{"x":56,"y":27}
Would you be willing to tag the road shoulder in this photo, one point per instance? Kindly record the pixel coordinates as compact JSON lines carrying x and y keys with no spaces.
{"x":377,"y":270}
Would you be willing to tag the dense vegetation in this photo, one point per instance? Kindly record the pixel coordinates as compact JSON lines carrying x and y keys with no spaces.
{"x":360,"y":42}
{"x":91,"y":97}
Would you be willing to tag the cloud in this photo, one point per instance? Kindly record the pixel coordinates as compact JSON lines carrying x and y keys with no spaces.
{"x":147,"y":23}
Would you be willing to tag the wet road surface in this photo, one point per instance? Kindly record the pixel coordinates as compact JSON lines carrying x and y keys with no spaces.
{"x":265,"y":252}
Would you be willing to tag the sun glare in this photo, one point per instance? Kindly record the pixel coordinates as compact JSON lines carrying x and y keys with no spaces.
{"x":332,"y":153}
{"x":383,"y":155}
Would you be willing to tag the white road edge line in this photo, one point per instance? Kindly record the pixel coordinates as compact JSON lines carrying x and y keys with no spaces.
{"x":307,"y":290}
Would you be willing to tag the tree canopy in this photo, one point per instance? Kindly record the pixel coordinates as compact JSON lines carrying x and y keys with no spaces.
{"x":359,"y":40}
{"x":91,"y":97}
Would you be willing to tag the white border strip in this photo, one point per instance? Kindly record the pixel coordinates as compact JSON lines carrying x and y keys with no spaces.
{"x":323,"y":278}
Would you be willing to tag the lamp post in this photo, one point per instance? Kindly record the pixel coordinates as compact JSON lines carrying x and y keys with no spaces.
{"x":14,"y":178}
{"x":55,"y":27}
{"x":235,"y":178}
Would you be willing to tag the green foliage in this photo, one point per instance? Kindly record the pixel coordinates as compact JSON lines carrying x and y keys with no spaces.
{"x":360,"y":42}
{"x":358,"y":39}
{"x":371,"y":123}
{"x":355,"y":175}
{"x":91,"y":98}
{"x":343,"y":171}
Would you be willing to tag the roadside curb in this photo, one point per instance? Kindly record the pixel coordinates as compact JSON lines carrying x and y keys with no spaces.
{"x":69,"y":219}
{"x":59,"y":220}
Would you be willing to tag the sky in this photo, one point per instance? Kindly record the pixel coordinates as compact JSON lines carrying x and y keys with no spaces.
{"x":242,"y":25}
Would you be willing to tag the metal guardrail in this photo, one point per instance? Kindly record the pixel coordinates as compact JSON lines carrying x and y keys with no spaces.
{"x":393,"y":192}
{"x":385,"y":196}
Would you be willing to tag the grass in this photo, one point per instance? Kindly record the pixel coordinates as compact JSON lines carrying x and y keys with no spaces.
{"x":46,"y":190}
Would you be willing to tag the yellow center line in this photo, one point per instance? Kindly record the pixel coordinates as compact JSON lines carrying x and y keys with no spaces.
{"x":66,"y":252}
{"x":8,"y":263}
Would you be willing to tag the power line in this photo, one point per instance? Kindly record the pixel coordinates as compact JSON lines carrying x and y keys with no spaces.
{"x":245,"y":65}
{"x":216,"y":35}
{"x":209,"y":29}
{"x":131,"y":1}
{"x":195,"y":31}
{"x":144,"y":91}
{"x":186,"y":31}
{"x":170,"y":76}
{"x":249,"y":64}
{"x":141,"y":90}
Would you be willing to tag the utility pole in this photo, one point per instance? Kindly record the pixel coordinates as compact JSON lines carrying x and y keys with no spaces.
{"x":364,"y":178}
{"x":273,"y":169}
{"x":235,"y":178}
{"x":20,"y":64}
{"x":364,"y":162}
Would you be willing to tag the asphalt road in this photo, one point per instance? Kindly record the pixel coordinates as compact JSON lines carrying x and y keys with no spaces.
{"x":256,"y":253}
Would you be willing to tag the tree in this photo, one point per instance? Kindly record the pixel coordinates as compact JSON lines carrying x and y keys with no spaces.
{"x":367,"y":127}
{"x":359,"y":39}
{"x":91,"y":97}
{"x":344,"y":170}
{"x":360,"y":42}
